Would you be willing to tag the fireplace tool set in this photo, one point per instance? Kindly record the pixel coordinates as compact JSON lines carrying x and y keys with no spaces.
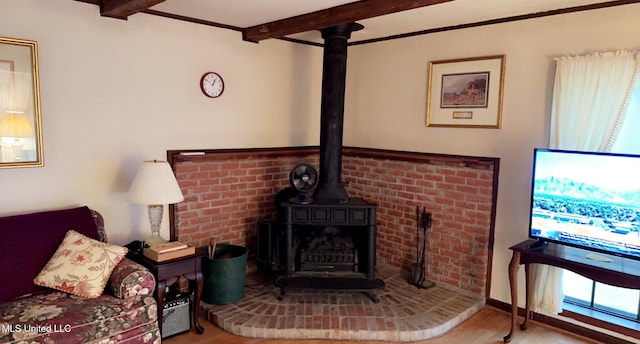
{"x":423,"y":220}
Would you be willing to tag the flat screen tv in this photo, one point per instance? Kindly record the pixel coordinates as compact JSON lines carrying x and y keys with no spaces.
{"x":587,"y":200}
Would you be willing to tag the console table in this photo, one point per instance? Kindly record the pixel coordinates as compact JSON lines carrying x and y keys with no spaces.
{"x":620,"y":272}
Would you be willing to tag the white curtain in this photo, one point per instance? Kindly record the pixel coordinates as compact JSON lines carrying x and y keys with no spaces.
{"x":16,"y":92}
{"x":590,"y":97}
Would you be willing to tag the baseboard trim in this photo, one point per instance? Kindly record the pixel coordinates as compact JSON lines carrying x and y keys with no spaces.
{"x":563,"y":325}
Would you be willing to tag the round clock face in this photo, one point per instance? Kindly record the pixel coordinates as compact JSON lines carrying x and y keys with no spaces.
{"x":212,"y":84}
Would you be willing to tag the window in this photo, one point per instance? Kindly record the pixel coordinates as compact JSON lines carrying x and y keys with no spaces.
{"x":587,"y":294}
{"x":607,"y":301}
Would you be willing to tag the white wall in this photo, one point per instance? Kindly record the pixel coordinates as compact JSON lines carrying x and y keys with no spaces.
{"x":115,"y":93}
{"x":387,"y":88}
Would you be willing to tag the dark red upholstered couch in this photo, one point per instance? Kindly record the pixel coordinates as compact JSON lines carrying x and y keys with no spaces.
{"x":125,"y":312}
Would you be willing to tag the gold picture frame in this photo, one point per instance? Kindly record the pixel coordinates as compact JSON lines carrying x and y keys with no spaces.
{"x":20,"y":115}
{"x":466,"y":93}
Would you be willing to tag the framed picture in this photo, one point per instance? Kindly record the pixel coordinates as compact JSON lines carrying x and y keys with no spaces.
{"x":466,"y":92}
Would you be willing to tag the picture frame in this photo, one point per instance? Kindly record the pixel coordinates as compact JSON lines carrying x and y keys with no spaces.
{"x":466,"y":92}
{"x":20,"y":114}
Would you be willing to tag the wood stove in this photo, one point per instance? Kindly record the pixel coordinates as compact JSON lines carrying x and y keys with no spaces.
{"x":329,"y":247}
{"x":330,"y":243}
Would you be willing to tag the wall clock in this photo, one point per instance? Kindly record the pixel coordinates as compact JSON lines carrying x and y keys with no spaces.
{"x":212,"y":84}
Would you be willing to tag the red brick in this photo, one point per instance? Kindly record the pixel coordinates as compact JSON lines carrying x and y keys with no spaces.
{"x":455,"y":180}
{"x":487,"y":183}
{"x":467,"y":174}
{"x":185,"y":168}
{"x":208,"y":167}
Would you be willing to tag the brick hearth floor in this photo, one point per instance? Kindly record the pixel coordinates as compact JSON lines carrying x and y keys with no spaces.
{"x":404,"y":312}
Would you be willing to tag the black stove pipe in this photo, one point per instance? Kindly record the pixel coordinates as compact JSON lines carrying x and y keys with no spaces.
{"x":334,"y":71}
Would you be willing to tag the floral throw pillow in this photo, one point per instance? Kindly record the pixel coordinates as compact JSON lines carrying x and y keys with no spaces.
{"x":80,"y":266}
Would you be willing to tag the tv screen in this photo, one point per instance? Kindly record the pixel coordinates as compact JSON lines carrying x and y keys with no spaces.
{"x":586,"y":199}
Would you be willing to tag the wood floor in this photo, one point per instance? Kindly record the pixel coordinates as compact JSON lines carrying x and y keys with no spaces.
{"x":488,"y":326}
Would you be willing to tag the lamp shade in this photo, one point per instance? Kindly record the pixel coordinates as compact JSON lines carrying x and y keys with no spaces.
{"x":155,"y":183}
{"x":15,"y":124}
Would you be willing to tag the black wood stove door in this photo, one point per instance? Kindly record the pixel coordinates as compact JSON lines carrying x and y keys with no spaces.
{"x":355,"y":219}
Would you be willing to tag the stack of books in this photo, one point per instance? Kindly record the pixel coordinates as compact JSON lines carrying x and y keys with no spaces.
{"x":168,"y":250}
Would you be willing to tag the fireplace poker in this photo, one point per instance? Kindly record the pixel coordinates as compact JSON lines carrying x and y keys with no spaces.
{"x":417,"y":234}
{"x":417,"y":274}
{"x":422,"y":221}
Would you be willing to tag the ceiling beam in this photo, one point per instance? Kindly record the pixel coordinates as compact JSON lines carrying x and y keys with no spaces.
{"x":351,"y":12}
{"x":122,"y":9}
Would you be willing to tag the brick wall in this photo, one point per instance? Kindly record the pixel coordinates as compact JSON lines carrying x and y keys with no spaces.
{"x":228,"y":191}
{"x":457,"y":191}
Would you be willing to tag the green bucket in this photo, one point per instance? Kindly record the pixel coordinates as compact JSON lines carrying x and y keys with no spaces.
{"x":224,"y":275}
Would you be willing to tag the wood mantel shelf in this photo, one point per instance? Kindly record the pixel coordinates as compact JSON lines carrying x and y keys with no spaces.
{"x":617,"y":271}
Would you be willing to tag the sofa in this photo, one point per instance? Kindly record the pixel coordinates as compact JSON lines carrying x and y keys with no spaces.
{"x":37,"y":305}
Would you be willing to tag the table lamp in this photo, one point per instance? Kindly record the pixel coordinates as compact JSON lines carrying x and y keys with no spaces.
{"x":14,"y":125}
{"x":155,"y":185}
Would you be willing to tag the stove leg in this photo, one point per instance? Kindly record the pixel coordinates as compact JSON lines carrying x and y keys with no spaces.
{"x":281,"y":296}
{"x":372,"y":296}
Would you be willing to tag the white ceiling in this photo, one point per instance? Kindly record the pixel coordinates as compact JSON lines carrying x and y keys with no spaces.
{"x":247,"y":13}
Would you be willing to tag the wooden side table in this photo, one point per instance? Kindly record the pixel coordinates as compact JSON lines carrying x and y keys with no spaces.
{"x":190,"y":267}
